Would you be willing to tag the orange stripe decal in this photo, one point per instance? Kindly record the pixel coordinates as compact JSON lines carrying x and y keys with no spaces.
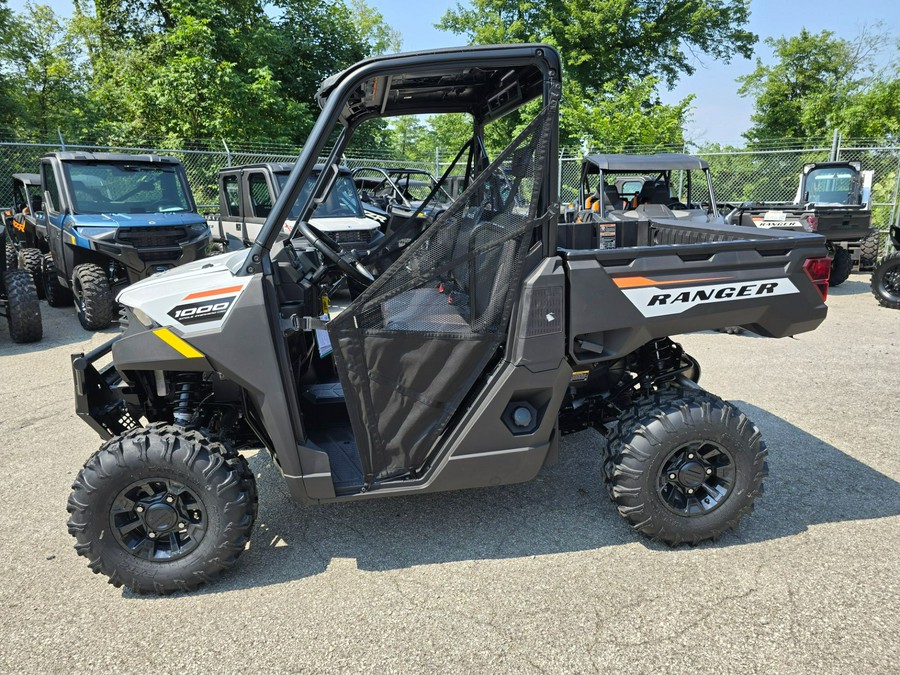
{"x":215,"y":291}
{"x":641,"y":282}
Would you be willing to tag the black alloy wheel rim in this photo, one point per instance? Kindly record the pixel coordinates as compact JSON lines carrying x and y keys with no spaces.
{"x":890,"y":281}
{"x":158,"y":519}
{"x":696,"y":478}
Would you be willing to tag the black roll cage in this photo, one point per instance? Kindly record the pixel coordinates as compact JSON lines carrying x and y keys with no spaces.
{"x":337,"y":94}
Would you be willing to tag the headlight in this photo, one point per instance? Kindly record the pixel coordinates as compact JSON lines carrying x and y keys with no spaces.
{"x":97,"y":232}
{"x":198,"y":229}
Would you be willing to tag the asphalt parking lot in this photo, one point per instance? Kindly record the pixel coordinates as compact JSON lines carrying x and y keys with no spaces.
{"x":538,"y":577}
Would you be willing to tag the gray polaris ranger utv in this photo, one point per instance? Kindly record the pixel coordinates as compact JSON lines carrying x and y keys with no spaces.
{"x":456,"y":361}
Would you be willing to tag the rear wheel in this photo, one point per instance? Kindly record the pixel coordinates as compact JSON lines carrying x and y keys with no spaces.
{"x":685,"y":468}
{"x":841,"y":265}
{"x":57,"y":295}
{"x":161,"y":509}
{"x":886,"y":281}
{"x":32,"y":260}
{"x":868,"y":251}
{"x":23,"y":309}
{"x":93,"y":296}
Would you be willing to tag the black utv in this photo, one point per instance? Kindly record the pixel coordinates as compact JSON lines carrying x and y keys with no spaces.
{"x":457,"y":361}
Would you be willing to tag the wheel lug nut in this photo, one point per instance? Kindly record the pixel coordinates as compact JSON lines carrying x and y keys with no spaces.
{"x":139,"y":509}
{"x":672,"y":476}
{"x":181,"y":526}
{"x":708,"y":472}
{"x":690,"y":455}
{"x":152,"y":535}
{"x":690,"y":491}
{"x":170,"y":499}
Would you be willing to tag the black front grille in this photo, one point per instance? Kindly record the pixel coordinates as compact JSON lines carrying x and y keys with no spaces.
{"x":151,"y":237}
{"x":352,"y":236}
{"x":165,"y":255}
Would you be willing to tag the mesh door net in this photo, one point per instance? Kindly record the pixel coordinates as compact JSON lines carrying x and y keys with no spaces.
{"x":412,"y":345}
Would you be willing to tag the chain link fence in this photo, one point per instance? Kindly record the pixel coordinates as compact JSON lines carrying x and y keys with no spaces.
{"x":202,"y":166}
{"x":772,"y":175}
{"x":738,"y":175}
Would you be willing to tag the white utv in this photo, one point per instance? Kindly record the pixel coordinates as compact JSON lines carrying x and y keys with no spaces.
{"x":455,"y":361}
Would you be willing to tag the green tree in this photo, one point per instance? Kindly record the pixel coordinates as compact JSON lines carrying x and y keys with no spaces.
{"x":9,"y":108}
{"x":819,"y":83}
{"x":605,"y":41}
{"x":626,"y":114}
{"x":611,"y":50}
{"x":236,"y":69}
{"x":370,"y":24}
{"x":47,"y":78}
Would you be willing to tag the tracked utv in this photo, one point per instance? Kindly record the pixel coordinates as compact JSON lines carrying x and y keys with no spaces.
{"x":456,"y":361}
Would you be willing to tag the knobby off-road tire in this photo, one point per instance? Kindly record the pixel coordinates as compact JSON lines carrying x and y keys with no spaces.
{"x":886,"y":281}
{"x":23,"y":309}
{"x":57,"y":295}
{"x":32,"y":260}
{"x":93,"y":296}
{"x":11,"y":256}
{"x":160,"y":509}
{"x":841,"y":266}
{"x":684,"y":468}
{"x":868,"y":251}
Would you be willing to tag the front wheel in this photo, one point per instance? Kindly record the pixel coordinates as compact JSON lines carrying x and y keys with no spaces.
{"x":886,"y":281}
{"x":685,"y":468}
{"x":161,"y":509}
{"x":93,"y":296}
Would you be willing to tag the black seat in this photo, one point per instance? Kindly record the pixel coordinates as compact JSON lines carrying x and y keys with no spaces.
{"x":611,"y":194}
{"x":654,"y":193}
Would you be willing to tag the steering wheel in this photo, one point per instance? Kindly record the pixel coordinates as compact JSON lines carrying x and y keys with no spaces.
{"x":331,"y":251}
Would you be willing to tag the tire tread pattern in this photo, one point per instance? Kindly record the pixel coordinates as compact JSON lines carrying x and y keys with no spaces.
{"x":97,"y":296}
{"x":226,"y":475}
{"x":23,"y":309}
{"x":632,"y":444}
{"x":31,"y":259}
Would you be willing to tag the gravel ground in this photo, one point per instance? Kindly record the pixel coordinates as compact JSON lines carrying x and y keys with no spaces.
{"x":539,"y":577}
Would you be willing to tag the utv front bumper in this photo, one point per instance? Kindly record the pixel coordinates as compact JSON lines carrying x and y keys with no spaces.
{"x":98,"y":399}
{"x":142,"y":261}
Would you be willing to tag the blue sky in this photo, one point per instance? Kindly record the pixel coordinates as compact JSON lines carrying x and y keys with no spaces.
{"x":719,"y":114}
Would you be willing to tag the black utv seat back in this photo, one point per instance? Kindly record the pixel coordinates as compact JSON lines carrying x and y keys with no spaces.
{"x":613,"y":200}
{"x":654,"y":192}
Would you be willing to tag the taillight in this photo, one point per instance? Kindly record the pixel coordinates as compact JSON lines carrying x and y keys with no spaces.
{"x":819,"y":270}
{"x":812,"y":224}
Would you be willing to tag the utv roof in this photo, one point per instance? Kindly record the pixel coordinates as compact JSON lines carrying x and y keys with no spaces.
{"x":663,"y":161}
{"x":66,"y":156}
{"x":28,"y":178}
{"x":485,"y":81}
{"x":280,"y":167}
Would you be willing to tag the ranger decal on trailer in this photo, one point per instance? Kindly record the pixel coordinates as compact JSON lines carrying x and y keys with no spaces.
{"x":659,"y":298}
